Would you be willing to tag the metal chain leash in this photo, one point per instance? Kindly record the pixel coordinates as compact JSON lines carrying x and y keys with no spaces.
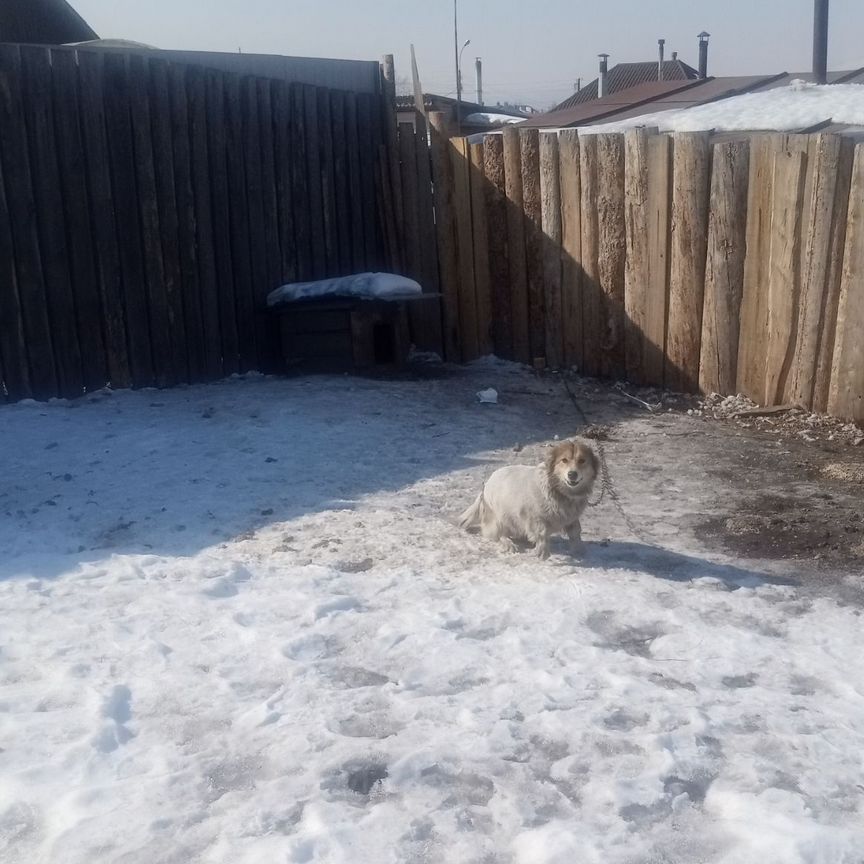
{"x":607,"y":487}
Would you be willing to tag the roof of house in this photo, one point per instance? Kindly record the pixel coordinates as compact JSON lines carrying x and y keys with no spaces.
{"x":42,"y":22}
{"x":624,"y":76}
{"x":430,"y":100}
{"x":598,"y":110}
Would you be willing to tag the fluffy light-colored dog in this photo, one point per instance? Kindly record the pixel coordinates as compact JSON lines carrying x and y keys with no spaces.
{"x":531,"y":503}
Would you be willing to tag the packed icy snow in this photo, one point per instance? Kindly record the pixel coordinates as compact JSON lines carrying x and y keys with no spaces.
{"x":240,"y":626}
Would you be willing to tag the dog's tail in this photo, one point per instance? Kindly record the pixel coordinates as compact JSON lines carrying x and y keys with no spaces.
{"x":473,"y":515}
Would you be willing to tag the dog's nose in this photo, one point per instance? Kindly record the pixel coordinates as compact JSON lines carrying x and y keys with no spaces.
{"x":572,"y":476}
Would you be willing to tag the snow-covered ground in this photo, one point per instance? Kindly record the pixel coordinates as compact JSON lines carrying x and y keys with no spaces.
{"x":239,"y":626}
{"x":798,"y":106}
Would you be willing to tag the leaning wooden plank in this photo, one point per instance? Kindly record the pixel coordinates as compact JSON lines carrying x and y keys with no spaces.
{"x":118,"y":97}
{"x":220,"y":214}
{"x":529,"y":143}
{"x":612,"y":250}
{"x":754,"y":298}
{"x":389,"y":128}
{"x":593,"y":305}
{"x":189,"y":285}
{"x":784,"y":275}
{"x":516,"y":246}
{"x":691,"y":182}
{"x":205,"y":237}
{"x":480,"y":235}
{"x":821,"y":198}
{"x":825,"y":358}
{"x":724,"y":269}
{"x":460,"y":158}
{"x":550,"y":198}
{"x":13,"y":341}
{"x":410,"y":215}
{"x":48,"y":198}
{"x":426,"y":210}
{"x":846,"y":395}
{"x":77,"y":218}
{"x":571,"y":246}
{"x":637,"y":279}
{"x":445,"y":234}
{"x":168,"y":221}
{"x":499,"y":253}
{"x":656,"y":298}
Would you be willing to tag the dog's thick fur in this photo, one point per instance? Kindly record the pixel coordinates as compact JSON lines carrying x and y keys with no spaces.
{"x":530,"y":504}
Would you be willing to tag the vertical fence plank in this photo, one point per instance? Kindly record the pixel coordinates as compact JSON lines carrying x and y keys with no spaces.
{"x":460,"y":158}
{"x":284,"y":157}
{"x":389,"y":129}
{"x":784,"y":275}
{"x":13,"y":341}
{"x":367,"y":160}
{"x":550,"y":196}
{"x":220,"y":212}
{"x":410,"y":214}
{"x":328,"y":181}
{"x":357,"y":215}
{"x":612,"y":249}
{"x":846,"y":395}
{"x":480,"y":236}
{"x":724,"y":268}
{"x":118,"y":124}
{"x":529,"y":143}
{"x":109,"y":279}
{"x":825,"y":218}
{"x":76,"y":216}
{"x":240,"y":237}
{"x":691,"y":179}
{"x":201,"y":96}
{"x":445,"y":232}
{"x":341,"y":182}
{"x":300,"y":194}
{"x":828,"y":324}
{"x":571,"y":246}
{"x":48,"y":200}
{"x":314,"y":185}
{"x":636,"y":273}
{"x":499,"y":252}
{"x":187,"y":243}
{"x":168,"y":219}
{"x":516,"y":245}
{"x":259,"y":285}
{"x":593,"y":324}
{"x":754,"y":299}
{"x":428,"y":253}
{"x":153,"y":282}
{"x":267,"y":328}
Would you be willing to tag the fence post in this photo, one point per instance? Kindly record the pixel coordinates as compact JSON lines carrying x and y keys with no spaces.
{"x":571,"y":246}
{"x":499,"y":248}
{"x":391,"y":136}
{"x":460,"y":159}
{"x":691,"y":166}
{"x":529,"y":142}
{"x":846,"y":396}
{"x":480,"y":235}
{"x":550,"y":195}
{"x":445,"y":230}
{"x":516,"y":244}
{"x":724,"y":269}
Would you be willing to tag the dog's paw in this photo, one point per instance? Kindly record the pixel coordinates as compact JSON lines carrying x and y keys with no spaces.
{"x":541,"y":550}
{"x":509,"y":546}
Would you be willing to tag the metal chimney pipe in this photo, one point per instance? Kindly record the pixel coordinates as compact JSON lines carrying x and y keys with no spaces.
{"x":703,"y":54}
{"x":660,"y":44}
{"x":478,"y":71}
{"x":674,"y":55}
{"x":602,"y":79}
{"x":820,"y":41}
{"x":578,"y":85}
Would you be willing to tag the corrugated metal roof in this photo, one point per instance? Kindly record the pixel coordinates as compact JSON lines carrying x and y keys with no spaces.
{"x":634,"y":98}
{"x":624,"y":76}
{"x":42,"y":22}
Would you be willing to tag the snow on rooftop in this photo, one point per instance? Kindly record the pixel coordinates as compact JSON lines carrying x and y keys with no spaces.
{"x":369,"y":286}
{"x":490,"y":119}
{"x":798,"y":106}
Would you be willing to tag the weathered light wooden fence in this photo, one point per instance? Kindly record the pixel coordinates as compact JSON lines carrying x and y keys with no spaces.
{"x":694,"y":263}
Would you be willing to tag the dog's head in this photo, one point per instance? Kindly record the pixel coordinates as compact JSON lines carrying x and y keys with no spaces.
{"x":572,"y":467}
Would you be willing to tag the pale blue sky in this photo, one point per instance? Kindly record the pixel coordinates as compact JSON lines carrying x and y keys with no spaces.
{"x":530,"y":52}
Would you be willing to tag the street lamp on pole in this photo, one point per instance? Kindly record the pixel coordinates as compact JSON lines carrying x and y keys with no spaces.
{"x":458,"y":52}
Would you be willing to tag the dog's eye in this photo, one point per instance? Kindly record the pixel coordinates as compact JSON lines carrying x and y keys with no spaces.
{"x":565,"y":461}
{"x":581,"y":460}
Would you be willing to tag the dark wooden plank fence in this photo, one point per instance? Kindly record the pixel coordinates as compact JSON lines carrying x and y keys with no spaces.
{"x":148,"y":208}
